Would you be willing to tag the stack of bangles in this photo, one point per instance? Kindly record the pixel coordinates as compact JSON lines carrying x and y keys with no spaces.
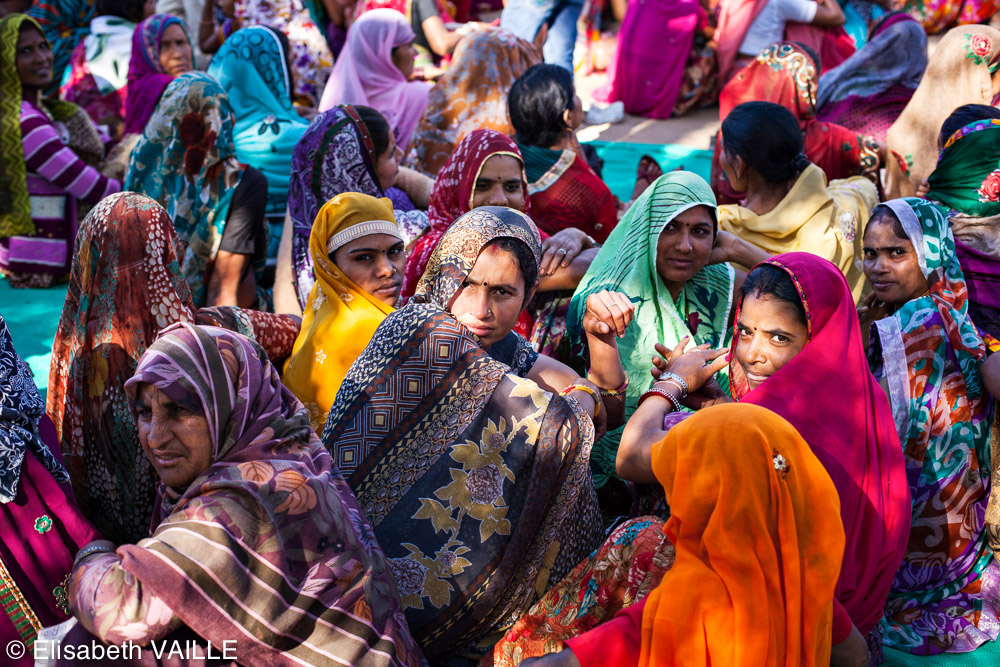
{"x":224,"y":31}
{"x":669,"y":380}
{"x":588,"y":390}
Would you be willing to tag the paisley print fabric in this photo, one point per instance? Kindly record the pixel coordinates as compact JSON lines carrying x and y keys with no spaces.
{"x":186,"y":160}
{"x":946,"y":594}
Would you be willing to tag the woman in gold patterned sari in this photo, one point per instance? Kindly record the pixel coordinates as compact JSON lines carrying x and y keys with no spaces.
{"x":476,"y":481}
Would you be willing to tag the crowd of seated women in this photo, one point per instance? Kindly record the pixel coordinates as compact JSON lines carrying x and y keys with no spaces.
{"x":361,"y":361}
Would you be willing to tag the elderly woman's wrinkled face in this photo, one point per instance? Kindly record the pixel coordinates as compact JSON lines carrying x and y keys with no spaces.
{"x":492,"y":296}
{"x":174,"y":437}
{"x":500,"y":183}
{"x":891,"y":263}
{"x":684,"y":245}
{"x":374,"y":263}
{"x":33,"y":59}
{"x":176,"y":57}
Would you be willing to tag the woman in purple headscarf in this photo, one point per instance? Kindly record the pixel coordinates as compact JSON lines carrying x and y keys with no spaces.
{"x":161,"y":50}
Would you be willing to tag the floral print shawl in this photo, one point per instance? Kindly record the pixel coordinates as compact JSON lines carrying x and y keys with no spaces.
{"x":476,"y":481}
{"x":186,"y":160}
{"x":471,"y":95}
{"x":946,"y":595}
{"x":125,"y":286}
{"x":267,"y":544}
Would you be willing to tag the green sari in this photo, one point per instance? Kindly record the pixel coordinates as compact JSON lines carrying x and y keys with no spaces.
{"x":627,"y":264}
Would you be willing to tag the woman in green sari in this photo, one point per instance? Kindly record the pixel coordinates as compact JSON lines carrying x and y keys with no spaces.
{"x":668,"y":256}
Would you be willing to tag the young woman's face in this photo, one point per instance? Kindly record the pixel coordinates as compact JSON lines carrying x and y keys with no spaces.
{"x":403,"y":57}
{"x":33,"y":59}
{"x":387,"y":165}
{"x":771,"y":332}
{"x":175,"y":438}
{"x":684,"y":245}
{"x":499,"y":183}
{"x":891,"y":263}
{"x":375,"y":263}
{"x":175,"y":51}
{"x":492,"y":296}
{"x":733,"y":167}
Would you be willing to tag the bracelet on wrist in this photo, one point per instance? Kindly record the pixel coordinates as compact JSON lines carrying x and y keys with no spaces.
{"x":612,"y":392}
{"x":681,"y":384}
{"x":659,"y":391}
{"x":584,"y":388}
{"x":90,"y":551}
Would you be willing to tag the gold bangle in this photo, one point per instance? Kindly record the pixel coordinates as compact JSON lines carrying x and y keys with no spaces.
{"x":587,"y":390}
{"x":612,"y":392}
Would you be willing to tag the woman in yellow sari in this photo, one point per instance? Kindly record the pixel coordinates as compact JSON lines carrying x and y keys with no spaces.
{"x":358,"y":256}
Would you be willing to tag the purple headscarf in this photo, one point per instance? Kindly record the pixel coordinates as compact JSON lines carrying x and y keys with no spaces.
{"x":146,"y":78}
{"x":365,"y":73}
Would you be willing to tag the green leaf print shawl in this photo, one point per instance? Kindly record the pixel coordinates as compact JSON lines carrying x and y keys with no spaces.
{"x":966,"y":178}
{"x":187,"y":162}
{"x":627,"y":263}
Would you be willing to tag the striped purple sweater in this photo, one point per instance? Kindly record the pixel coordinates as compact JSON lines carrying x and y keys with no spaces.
{"x":46,"y":155}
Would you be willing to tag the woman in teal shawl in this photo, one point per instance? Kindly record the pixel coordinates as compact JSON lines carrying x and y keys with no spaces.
{"x":946,"y":594}
{"x":659,"y":255}
{"x":252,"y":67}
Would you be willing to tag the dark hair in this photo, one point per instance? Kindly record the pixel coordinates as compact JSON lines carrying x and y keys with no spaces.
{"x":769,"y":280}
{"x":536,"y":104}
{"x":378,"y":128}
{"x":962,"y":116}
{"x":884,"y":212}
{"x":286,"y":46}
{"x":130,"y":10}
{"x":525,"y":258}
{"x":768,"y":138}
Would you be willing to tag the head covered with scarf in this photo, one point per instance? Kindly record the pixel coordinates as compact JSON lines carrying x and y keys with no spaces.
{"x":186,"y":160}
{"x":454,"y":191}
{"x":627,"y":263}
{"x":146,"y":78}
{"x":340,"y":317}
{"x":853,"y":436}
{"x":755,"y":523}
{"x":268,"y":502}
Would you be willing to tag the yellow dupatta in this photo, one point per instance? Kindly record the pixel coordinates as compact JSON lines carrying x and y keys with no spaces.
{"x":823,"y":219}
{"x":340,"y":318}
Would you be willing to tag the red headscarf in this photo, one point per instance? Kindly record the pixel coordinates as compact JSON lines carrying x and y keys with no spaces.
{"x":452,"y":195}
{"x":828,"y":394}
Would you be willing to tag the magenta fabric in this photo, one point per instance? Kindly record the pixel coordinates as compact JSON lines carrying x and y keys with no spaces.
{"x":851,"y":432}
{"x":146,"y":79}
{"x":982,"y":276}
{"x":872,"y":116}
{"x":653,"y":47}
{"x":365,"y":74}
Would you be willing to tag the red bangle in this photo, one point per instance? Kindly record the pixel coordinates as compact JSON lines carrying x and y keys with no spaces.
{"x":665,"y":394}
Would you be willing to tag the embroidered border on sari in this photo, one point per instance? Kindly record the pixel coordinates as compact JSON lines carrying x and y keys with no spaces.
{"x":549,"y":178}
{"x":17,"y":608}
{"x":894,"y":363}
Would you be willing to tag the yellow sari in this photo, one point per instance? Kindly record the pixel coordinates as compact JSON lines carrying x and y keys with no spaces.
{"x":825,"y":220}
{"x":340,"y":318}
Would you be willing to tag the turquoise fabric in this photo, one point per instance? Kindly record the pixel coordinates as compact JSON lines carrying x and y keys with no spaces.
{"x":253,"y":69}
{"x":621,"y":159}
{"x":987,"y":655}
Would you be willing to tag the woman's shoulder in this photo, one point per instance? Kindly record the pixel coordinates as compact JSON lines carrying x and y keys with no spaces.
{"x":856,"y":191}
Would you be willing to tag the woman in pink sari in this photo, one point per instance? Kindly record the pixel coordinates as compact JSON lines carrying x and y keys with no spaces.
{"x":41,"y":528}
{"x":374,"y":70}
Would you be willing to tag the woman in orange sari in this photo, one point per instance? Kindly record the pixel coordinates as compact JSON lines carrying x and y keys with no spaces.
{"x":755,"y":523}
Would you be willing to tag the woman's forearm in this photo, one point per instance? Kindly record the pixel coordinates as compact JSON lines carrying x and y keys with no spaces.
{"x":643,"y":430}
{"x":607,"y":373}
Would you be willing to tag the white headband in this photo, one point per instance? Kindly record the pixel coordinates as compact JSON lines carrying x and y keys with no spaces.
{"x":363,"y":229}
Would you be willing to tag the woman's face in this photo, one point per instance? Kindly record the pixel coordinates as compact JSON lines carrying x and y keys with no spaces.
{"x":148,"y":8}
{"x":684,"y":245}
{"x":375,"y":264}
{"x":33,"y":59}
{"x":387,"y":164}
{"x":175,"y":438}
{"x":574,"y":117}
{"x":500,"y":183}
{"x":891,"y":263}
{"x":403,"y":57}
{"x":732,"y":167}
{"x":175,"y":51}
{"x":492,"y":296}
{"x":771,"y":332}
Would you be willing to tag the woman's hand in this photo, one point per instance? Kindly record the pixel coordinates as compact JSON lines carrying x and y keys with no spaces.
{"x":696,"y":366}
{"x":852,"y":652}
{"x":923,"y":189}
{"x":722,"y":251}
{"x":560,"y":249}
{"x":870,"y":310}
{"x":608,"y":313}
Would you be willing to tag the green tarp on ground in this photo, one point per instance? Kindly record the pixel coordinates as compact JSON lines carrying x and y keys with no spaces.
{"x":32,"y":316}
{"x":621,"y":159}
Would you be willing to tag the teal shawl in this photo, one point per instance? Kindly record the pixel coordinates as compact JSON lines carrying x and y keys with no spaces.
{"x":252,"y":68}
{"x":627,"y":263}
